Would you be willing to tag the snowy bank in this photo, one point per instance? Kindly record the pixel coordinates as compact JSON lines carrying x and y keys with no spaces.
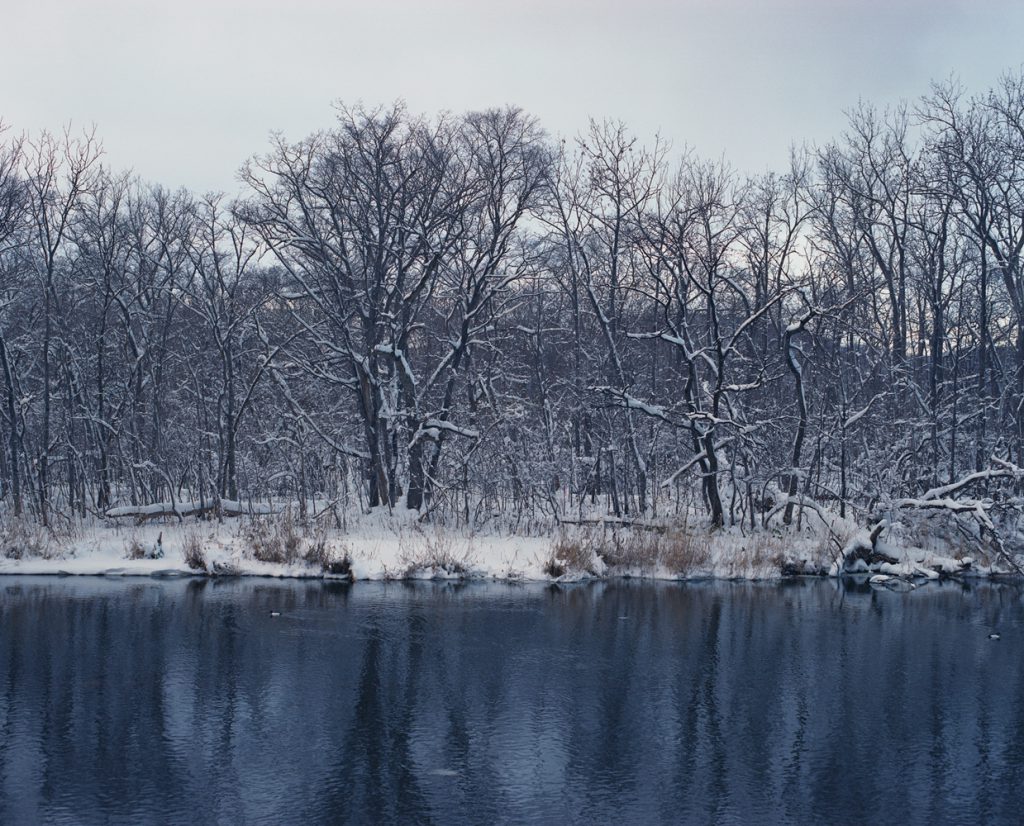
{"x":390,"y":547}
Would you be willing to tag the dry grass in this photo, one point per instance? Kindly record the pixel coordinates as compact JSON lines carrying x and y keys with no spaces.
{"x":317,"y":553}
{"x":434,"y":550}
{"x":21,"y":538}
{"x":761,"y":554}
{"x":684,"y":552}
{"x":134,"y":549}
{"x":284,"y":540}
{"x":572,"y":553}
{"x":680,"y":551}
{"x":628,"y":549}
{"x":677,"y":550}
{"x":340,"y":567}
{"x":273,"y":539}
{"x":192,"y":550}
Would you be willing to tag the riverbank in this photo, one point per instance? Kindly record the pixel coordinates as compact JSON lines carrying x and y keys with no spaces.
{"x":396,"y":547}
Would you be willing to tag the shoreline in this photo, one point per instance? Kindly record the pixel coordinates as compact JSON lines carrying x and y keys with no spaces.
{"x":908,"y":574}
{"x":176,"y":573}
{"x":397,"y":553}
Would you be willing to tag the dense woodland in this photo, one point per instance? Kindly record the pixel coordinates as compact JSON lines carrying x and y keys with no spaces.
{"x":466,"y":317}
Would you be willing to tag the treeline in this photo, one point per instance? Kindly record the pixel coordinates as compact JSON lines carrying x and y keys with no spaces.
{"x":465,"y":317}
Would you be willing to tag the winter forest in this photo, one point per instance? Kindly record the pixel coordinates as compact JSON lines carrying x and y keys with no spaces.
{"x":463,"y":317}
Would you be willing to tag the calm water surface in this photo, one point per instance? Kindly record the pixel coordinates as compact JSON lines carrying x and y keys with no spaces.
{"x":149,"y":701}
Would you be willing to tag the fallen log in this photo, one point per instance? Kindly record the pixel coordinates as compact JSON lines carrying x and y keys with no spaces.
{"x":613,"y":522}
{"x":161,"y":510}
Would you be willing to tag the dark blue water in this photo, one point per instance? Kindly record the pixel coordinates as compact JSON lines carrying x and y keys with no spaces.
{"x":147,"y":701}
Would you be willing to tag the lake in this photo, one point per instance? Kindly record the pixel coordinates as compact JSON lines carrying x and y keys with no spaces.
{"x":184,"y":700}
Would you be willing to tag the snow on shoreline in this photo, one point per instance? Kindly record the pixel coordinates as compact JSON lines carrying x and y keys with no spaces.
{"x":382,"y":549}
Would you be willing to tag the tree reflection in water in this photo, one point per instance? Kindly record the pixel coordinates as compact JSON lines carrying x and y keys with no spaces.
{"x":170,"y":701}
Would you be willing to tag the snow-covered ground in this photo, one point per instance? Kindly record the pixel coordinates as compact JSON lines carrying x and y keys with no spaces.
{"x":393,"y":546}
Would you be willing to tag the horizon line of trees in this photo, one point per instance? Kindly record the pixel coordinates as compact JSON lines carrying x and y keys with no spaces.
{"x":466,"y":318}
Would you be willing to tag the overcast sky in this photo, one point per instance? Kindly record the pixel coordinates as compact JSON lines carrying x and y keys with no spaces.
{"x":183,"y":91}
